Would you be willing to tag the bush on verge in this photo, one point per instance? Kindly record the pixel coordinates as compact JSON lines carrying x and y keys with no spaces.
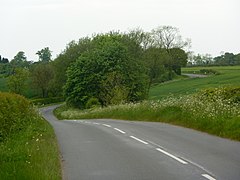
{"x":16,"y":113}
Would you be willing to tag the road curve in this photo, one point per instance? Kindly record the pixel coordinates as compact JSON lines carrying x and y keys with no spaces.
{"x":195,"y":75}
{"x":122,"y":150}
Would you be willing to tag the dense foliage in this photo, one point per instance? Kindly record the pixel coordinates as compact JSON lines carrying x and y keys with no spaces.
{"x":109,"y":71}
{"x":42,"y":75}
{"x":17,"y":82}
{"x":150,"y":57}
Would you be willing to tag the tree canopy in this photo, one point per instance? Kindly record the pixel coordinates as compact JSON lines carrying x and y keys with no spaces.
{"x":44,"y":54}
{"x":108,"y":67}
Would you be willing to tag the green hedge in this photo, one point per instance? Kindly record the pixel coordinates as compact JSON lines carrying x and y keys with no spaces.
{"x":16,"y":113}
{"x":230,"y":94}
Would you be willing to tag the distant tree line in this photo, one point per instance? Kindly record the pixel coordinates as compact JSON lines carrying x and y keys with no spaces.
{"x":3,"y":60}
{"x":22,"y":74}
{"x":226,"y":59}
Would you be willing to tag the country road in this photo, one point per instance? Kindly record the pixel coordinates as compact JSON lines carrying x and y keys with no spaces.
{"x":195,"y":75}
{"x":129,"y":150}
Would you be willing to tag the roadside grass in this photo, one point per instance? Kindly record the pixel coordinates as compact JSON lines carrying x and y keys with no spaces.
{"x":228,"y":76}
{"x":29,"y":151}
{"x":213,"y":111}
{"x":31,"y":154}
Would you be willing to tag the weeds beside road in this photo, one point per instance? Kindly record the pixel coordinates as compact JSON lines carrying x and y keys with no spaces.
{"x":215,"y":111}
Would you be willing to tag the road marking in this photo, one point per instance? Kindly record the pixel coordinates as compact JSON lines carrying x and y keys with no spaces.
{"x":139,"y":140}
{"x":208,"y":177}
{"x":106,"y":125}
{"x":172,"y":156}
{"x":96,"y":123}
{"x":120,"y":130}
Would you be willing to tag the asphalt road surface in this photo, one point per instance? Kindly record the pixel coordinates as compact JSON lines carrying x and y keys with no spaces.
{"x":128,"y":150}
{"x":196,"y":75}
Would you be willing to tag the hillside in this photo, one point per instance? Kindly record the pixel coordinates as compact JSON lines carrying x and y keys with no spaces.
{"x":228,"y":75}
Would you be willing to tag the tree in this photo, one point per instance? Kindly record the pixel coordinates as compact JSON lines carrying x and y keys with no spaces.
{"x":17,"y":81}
{"x":155,"y":59}
{"x":42,"y":75}
{"x":44,"y":55}
{"x":237,"y":59}
{"x":72,"y":52}
{"x":179,"y":59}
{"x":226,"y":59}
{"x":144,"y":39}
{"x":96,"y":71}
{"x":168,"y":37}
{"x":19,"y":61}
{"x":3,"y":60}
{"x":20,"y":57}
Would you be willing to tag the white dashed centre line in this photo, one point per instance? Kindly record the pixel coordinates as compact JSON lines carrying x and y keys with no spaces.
{"x":144,"y":142}
{"x":106,"y":125}
{"x":119,"y":130}
{"x":172,"y":156}
{"x":208,"y":177}
{"x":139,"y":140}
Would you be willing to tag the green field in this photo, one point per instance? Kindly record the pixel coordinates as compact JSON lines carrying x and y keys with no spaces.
{"x":229,"y":76}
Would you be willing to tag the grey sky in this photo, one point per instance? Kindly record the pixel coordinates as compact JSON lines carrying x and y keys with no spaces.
{"x":30,"y":25}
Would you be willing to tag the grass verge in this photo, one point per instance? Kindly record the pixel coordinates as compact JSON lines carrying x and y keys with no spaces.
{"x":28,"y":147}
{"x":31,"y":154}
{"x":215,"y":111}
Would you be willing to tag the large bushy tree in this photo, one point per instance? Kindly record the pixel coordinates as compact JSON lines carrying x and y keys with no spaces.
{"x":155,"y":60}
{"x":178,"y":59}
{"x":109,"y":67}
{"x":65,"y":59}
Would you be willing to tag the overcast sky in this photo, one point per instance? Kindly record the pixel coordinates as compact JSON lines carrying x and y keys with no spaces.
{"x":30,"y":25}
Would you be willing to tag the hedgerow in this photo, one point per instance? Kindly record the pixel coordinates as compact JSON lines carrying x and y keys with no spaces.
{"x":16,"y":113}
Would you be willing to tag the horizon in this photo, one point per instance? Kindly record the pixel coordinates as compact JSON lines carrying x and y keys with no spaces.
{"x":30,"y":26}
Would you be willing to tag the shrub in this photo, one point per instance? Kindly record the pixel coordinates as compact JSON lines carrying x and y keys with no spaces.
{"x":92,"y":102}
{"x":16,"y":113}
{"x":229,"y":95}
